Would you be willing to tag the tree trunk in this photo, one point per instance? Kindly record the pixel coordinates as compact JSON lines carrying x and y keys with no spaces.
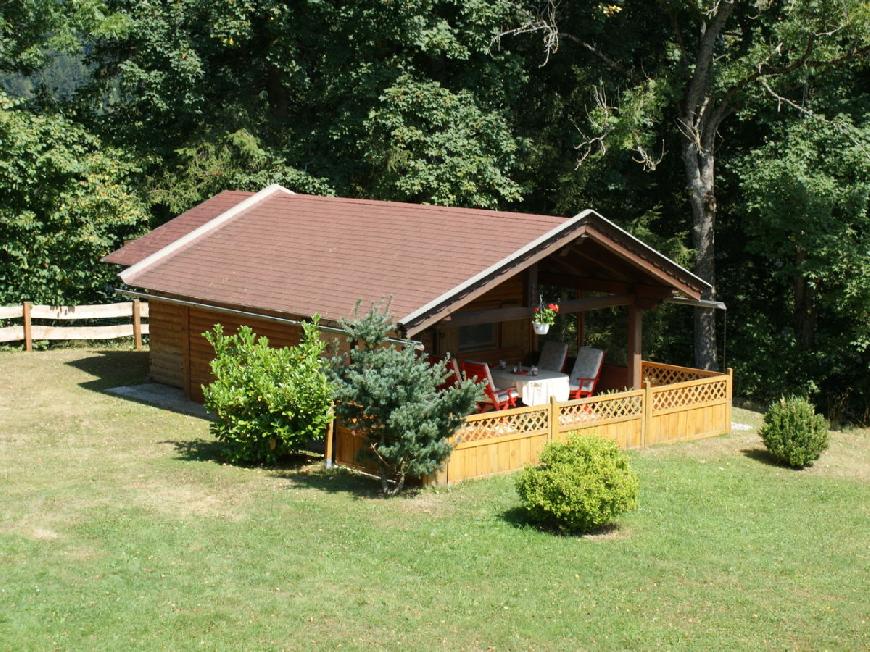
{"x":700,"y":177}
{"x":804,"y":319}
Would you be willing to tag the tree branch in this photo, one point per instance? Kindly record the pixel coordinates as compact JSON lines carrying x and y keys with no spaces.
{"x":598,"y":53}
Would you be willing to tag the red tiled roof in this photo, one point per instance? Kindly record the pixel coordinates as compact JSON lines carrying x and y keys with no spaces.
{"x":301,"y":254}
{"x":135,"y":250}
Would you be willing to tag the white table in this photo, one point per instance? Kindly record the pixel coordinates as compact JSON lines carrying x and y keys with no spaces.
{"x":533,"y":390}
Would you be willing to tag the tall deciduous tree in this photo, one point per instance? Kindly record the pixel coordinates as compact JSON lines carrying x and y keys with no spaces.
{"x":806,"y":325}
{"x":397,"y":101}
{"x":697,"y":64}
{"x":67,"y":200}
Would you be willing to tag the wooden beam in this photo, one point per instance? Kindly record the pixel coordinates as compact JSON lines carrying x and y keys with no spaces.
{"x":514,"y":313}
{"x":612,"y":264}
{"x":635,"y":345}
{"x":596,"y":303}
{"x":531,"y":298}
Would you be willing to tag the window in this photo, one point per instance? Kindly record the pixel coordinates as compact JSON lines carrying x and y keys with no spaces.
{"x":478,"y":338}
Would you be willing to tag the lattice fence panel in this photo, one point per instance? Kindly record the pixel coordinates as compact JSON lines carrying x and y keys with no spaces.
{"x":678,"y":397}
{"x":667,"y":375}
{"x":502,"y":424}
{"x":605,"y":409}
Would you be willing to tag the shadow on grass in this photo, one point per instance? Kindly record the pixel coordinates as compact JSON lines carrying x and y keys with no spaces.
{"x":112,"y":368}
{"x":209,"y":450}
{"x":520,"y":519}
{"x":335,"y":480}
{"x":124,"y":375}
{"x":762,"y":455}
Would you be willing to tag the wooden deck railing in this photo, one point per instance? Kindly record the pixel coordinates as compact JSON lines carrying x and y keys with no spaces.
{"x":27,"y":331}
{"x":658,"y":373}
{"x":504,"y":441}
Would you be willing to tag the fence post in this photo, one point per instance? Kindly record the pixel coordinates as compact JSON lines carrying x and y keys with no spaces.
{"x":25,"y":314}
{"x":137,"y":326}
{"x":646,"y":421}
{"x":554,"y":419}
{"x":330,"y":434}
{"x":730,"y":394}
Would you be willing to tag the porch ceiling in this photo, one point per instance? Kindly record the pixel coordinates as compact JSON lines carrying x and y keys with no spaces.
{"x":588,"y":264}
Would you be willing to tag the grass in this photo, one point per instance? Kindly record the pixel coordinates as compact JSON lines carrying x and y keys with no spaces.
{"x":119,"y":527}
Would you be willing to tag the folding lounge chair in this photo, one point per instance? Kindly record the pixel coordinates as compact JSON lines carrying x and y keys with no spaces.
{"x":496,"y":398}
{"x":584,"y":377}
{"x":553,"y":355}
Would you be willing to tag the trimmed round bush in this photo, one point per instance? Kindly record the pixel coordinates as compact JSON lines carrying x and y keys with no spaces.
{"x":579,"y":486}
{"x":793,"y":433}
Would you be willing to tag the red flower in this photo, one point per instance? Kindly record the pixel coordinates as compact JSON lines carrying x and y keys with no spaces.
{"x":537,"y":309}
{"x":554,"y":307}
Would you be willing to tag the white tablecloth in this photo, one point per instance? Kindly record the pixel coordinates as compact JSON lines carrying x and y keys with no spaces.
{"x":533,"y":390}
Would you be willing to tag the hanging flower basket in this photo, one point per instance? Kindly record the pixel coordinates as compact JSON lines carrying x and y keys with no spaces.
{"x":545,"y":316}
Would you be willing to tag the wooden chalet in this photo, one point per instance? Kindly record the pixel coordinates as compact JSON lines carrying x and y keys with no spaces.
{"x":460,"y":281}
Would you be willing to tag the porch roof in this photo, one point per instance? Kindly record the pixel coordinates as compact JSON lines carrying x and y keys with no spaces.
{"x":281,"y":253}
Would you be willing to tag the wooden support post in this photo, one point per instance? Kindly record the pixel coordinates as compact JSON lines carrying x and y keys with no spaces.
{"x":554,"y":420}
{"x":137,"y":326}
{"x":635,"y":344}
{"x":330,"y":435}
{"x":25,"y":314}
{"x":531,"y":301}
{"x":646,"y":421}
{"x":581,"y":323}
{"x":729,"y":396}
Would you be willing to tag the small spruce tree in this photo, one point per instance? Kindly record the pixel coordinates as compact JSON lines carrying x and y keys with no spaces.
{"x":389,"y":394}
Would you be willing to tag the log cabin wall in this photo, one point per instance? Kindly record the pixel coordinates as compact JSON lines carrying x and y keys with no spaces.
{"x":513,"y":339}
{"x":201,"y":353}
{"x":168,"y":342}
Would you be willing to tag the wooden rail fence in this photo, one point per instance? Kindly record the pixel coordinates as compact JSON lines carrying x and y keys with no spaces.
{"x":504,"y":441}
{"x":27,"y":331}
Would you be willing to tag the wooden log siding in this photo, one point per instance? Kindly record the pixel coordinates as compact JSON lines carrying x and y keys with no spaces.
{"x":28,"y":331}
{"x":201,"y":352}
{"x":168,"y":346}
{"x":504,"y":441}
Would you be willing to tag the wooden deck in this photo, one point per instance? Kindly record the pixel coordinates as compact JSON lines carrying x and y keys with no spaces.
{"x":676,"y":404}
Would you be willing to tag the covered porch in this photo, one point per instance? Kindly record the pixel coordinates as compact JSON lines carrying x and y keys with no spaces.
{"x":601,"y":268}
{"x":637,"y":403}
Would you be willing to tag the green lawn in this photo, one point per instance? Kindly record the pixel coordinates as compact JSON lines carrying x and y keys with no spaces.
{"x":119,"y":529}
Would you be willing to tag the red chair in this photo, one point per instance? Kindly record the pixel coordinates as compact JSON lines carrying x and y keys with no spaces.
{"x":453,"y":375}
{"x":586,"y":372}
{"x":496,"y":399}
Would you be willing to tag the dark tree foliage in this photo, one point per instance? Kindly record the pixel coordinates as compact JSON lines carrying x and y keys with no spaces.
{"x":691,"y":124}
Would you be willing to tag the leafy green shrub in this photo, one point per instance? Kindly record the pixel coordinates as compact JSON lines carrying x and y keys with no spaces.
{"x":267,"y":401}
{"x":390,"y":395}
{"x":793,"y":432}
{"x":579,"y":485}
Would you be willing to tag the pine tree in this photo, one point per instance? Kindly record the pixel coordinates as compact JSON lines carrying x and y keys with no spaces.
{"x":389,"y":394}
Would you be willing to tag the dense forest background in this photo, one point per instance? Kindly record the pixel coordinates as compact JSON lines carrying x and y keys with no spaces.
{"x":732,"y":135}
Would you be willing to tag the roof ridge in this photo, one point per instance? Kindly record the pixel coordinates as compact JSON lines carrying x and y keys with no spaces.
{"x":204,"y":229}
{"x":428,"y":207}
